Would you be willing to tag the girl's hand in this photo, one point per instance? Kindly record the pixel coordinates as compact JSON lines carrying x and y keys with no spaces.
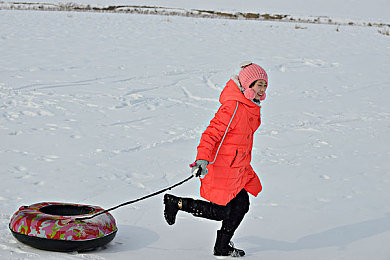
{"x":199,"y":168}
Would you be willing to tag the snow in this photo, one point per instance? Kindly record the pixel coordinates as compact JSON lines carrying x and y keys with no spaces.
{"x":103,"y":108}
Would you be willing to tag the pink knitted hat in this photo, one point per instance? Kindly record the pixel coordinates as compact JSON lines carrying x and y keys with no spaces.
{"x":250,"y":73}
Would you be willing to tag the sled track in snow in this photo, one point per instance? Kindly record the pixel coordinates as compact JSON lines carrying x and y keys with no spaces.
{"x":195,"y":13}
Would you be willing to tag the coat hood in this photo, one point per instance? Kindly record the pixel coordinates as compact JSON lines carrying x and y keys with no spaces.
{"x":232,"y":92}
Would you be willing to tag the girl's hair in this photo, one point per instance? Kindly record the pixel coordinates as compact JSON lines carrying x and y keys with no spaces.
{"x":253,"y":83}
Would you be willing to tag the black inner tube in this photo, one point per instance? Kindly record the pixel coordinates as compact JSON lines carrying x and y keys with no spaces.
{"x":66,"y":210}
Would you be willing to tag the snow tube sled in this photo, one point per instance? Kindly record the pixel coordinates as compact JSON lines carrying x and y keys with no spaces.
{"x":54,"y":226}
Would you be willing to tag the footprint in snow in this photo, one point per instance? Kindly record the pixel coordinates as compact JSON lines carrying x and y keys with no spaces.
{"x":49,"y":158}
{"x":15,"y":133}
{"x":20,"y":168}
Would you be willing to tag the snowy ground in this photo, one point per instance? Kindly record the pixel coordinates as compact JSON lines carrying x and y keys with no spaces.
{"x":104,"y":108}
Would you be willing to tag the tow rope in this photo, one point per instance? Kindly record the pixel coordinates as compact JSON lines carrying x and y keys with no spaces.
{"x":142,"y":198}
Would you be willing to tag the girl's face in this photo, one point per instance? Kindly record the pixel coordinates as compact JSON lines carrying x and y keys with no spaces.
{"x":259,"y":87}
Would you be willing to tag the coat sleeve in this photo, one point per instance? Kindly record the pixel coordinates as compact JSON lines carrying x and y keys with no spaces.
{"x":215,"y":131}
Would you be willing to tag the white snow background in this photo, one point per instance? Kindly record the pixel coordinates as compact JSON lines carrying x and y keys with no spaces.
{"x":102,"y":108}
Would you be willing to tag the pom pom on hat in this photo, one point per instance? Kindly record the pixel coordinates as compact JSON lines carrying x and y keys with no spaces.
{"x":250,"y":73}
{"x":249,"y":93}
{"x":262,"y":97}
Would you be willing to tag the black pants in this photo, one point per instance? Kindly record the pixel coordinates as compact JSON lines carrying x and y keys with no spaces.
{"x":231,"y":215}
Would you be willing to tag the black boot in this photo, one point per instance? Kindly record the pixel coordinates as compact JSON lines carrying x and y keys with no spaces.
{"x":172,"y":206}
{"x":224,"y":247}
{"x":198,"y":208}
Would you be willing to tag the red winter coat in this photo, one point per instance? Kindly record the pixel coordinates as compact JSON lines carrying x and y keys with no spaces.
{"x":231,"y":171}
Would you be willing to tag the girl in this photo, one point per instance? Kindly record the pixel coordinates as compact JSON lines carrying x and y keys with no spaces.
{"x":223,"y":159}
